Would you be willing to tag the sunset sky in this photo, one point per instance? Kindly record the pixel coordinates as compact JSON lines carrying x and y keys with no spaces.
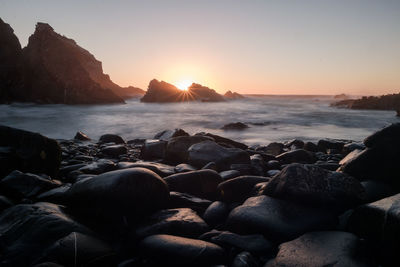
{"x":263,"y":47}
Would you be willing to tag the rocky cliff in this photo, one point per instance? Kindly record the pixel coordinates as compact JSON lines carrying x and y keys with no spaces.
{"x":160,"y":91}
{"x":54,"y":69}
{"x":233,"y":95}
{"x":385,"y":102}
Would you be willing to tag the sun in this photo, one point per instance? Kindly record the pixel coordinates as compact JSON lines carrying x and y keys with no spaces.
{"x":183,"y":84}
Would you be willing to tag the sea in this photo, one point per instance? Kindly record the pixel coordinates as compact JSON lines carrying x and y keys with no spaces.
{"x":270,"y":119}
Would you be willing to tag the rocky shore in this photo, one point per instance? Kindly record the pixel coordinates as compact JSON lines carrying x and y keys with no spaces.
{"x":198,"y":200}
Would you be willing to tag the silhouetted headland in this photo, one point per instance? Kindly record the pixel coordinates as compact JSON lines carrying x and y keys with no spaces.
{"x":198,"y":200}
{"x":53,"y":69}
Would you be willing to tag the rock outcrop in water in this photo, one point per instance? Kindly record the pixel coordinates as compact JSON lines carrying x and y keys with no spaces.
{"x":54,"y":69}
{"x":233,"y":95}
{"x":384,"y":102}
{"x":163,"y":92}
{"x":220,"y":202}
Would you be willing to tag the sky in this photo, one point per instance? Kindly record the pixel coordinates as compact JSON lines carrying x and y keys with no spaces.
{"x":248,"y":46}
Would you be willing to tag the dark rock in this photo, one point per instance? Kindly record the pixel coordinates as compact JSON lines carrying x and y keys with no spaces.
{"x":216,"y":213}
{"x":347,"y":148}
{"x":244,"y":169}
{"x":29,"y":229}
{"x":202,"y":183}
{"x":208,"y":151}
{"x":273,"y":165}
{"x":331,"y":248}
{"x":177,"y":147}
{"x":183,"y":167}
{"x":233,"y":95}
{"x":328,"y":166}
{"x":55,"y":195}
{"x":153,"y":149}
{"x":180,"y":222}
{"x":114,"y":151}
{"x":256,"y":244}
{"x":161,"y":169}
{"x":379,"y":223}
{"x":25,"y":185}
{"x":81,"y":136}
{"x":245,"y":259}
{"x":226,"y":175}
{"x":316,"y":186}
{"x":272,"y":148}
{"x":240,"y":188}
{"x":235,"y":126}
{"x":31,"y":152}
{"x":99,"y":167}
{"x":258,"y":165}
{"x":174,"y":250}
{"x":69,"y":168}
{"x":182,"y":200}
{"x":297,"y":156}
{"x":272,"y":173}
{"x":77,"y":249}
{"x":310,"y":146}
{"x":5,"y":203}
{"x":278,"y":220}
{"x":122,"y":195}
{"x":111,"y":138}
{"x":223,"y":140}
{"x":168,"y":134}
{"x":376,"y":190}
{"x":210,"y":166}
{"x":325,"y":144}
{"x":388,"y":135}
{"x":294,"y":144}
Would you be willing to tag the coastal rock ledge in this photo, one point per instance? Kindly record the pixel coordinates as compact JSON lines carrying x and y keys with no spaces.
{"x":202,"y":200}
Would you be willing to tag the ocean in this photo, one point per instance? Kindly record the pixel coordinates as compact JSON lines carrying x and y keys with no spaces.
{"x":270,"y":118}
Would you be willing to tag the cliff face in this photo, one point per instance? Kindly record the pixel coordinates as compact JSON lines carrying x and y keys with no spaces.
{"x":164,"y":92}
{"x":57,"y":70}
{"x":10,"y":66}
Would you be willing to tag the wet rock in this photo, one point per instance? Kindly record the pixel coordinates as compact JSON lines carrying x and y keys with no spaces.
{"x":182,"y":251}
{"x":161,"y":169}
{"x":208,"y":151}
{"x":77,"y":249}
{"x":243,"y":169}
{"x":111,"y":138}
{"x":69,"y":168}
{"x":240,"y":188}
{"x":180,"y":222}
{"x":258,"y":165}
{"x":168,"y":134}
{"x":347,"y":148}
{"x":216,"y":213}
{"x":387,"y":135}
{"x":272,"y":173}
{"x":278,"y":220}
{"x":378,"y":222}
{"x":202,"y":183}
{"x":316,"y":186}
{"x":294,"y":144}
{"x":25,"y":185}
{"x":182,"y":200}
{"x":81,"y":136}
{"x":5,"y":203}
{"x":310,"y":146}
{"x":28,"y":229}
{"x":256,"y":243}
{"x":223,"y":140}
{"x":325,"y":144}
{"x":98,"y":167}
{"x":235,"y":126}
{"x":376,"y":190}
{"x":226,"y":175}
{"x":122,"y":195}
{"x":153,"y":149}
{"x":55,"y":195}
{"x":274,"y":149}
{"x":28,"y":152}
{"x":328,"y":166}
{"x":210,"y":166}
{"x":332,"y":248}
{"x":183,"y":167}
{"x":297,"y":156}
{"x":245,"y":259}
{"x":114,"y":151}
{"x":177,"y":147}
{"x":273,"y":165}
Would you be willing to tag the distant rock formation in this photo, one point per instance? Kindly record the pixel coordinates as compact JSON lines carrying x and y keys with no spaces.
{"x":341,"y":96}
{"x":53,"y":69}
{"x":163,"y":92}
{"x":385,"y":102}
{"x":233,"y":95}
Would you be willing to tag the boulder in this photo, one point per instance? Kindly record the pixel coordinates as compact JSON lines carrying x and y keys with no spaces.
{"x":208,"y":151}
{"x":174,"y":250}
{"x":315,"y":249}
{"x":240,"y":188}
{"x":387,"y":135}
{"x":161,"y":169}
{"x":294,"y":144}
{"x":122,"y":195}
{"x":233,"y":95}
{"x":179,"y":222}
{"x":177,"y":147}
{"x":29,"y":229}
{"x":376,"y":190}
{"x":5,"y":203}
{"x":272,"y":149}
{"x":153,"y":149}
{"x":216,"y":213}
{"x":297,"y":156}
{"x":202,"y":183}
{"x":310,"y":146}
{"x":98,"y":167}
{"x":81,"y":136}
{"x":114,"y":151}
{"x":77,"y":249}
{"x":276,"y":219}
{"x":245,"y":259}
{"x":168,"y":134}
{"x":111,"y":138}
{"x":312,"y":185}
{"x":325,"y":144}
{"x":25,"y":185}
{"x":183,"y":167}
{"x":182,"y":200}
{"x":223,"y":140}
{"x":235,"y":126}
{"x":379,"y":223}
{"x":56,"y":195}
{"x":258,"y":165}
{"x":30,"y":152}
{"x":226,"y":175}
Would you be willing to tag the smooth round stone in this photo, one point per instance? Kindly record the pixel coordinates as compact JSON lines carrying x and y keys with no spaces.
{"x":111,"y":138}
{"x":216,"y":213}
{"x":168,"y":249}
{"x":240,"y":188}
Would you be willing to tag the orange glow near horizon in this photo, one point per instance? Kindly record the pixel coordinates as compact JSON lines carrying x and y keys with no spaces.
{"x":183,"y":84}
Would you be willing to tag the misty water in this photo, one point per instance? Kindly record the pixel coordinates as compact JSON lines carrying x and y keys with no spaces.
{"x":271,"y":118}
